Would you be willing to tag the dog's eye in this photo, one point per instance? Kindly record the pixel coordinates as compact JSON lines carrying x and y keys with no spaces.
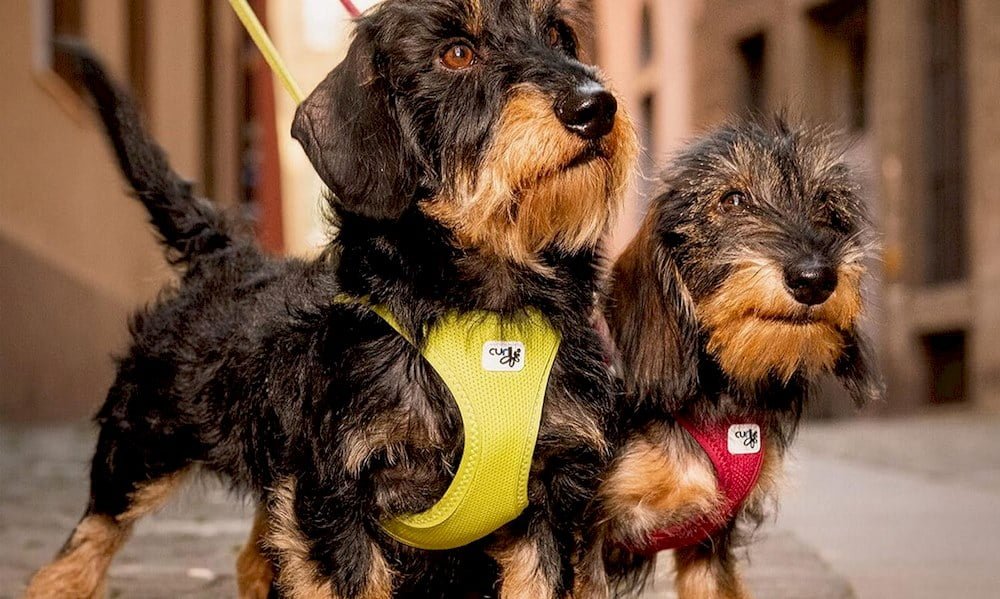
{"x":831,"y":216}
{"x":553,"y":36}
{"x":560,"y":37}
{"x":733,"y":202}
{"x":836,"y":220}
{"x":458,"y":56}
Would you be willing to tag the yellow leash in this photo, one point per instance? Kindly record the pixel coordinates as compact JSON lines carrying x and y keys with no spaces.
{"x":496,"y":370}
{"x":252,"y":24}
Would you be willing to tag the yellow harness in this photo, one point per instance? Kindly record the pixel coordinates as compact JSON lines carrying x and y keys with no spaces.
{"x":497,"y":372}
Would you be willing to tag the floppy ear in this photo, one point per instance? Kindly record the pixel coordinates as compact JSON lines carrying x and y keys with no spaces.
{"x":652,"y":321}
{"x":350,"y":133}
{"x":858,"y":372}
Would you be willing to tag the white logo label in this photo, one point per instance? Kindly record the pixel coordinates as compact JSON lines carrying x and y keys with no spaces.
{"x":503,"y":356}
{"x":744,"y":439}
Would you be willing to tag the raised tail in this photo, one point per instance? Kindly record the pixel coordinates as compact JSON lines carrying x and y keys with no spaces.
{"x":188,"y":225}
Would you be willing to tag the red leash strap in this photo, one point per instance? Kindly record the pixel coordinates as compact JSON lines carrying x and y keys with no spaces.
{"x":351,"y":9}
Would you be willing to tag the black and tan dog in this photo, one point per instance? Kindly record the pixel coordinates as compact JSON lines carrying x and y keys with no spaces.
{"x":742,"y":286}
{"x":475,"y":164}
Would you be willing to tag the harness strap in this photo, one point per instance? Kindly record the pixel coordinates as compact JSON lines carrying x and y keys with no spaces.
{"x":736,"y":450}
{"x":497,"y":371}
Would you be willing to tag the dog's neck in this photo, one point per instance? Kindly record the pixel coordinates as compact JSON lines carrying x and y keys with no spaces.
{"x":414,"y":266}
{"x":777,"y":404}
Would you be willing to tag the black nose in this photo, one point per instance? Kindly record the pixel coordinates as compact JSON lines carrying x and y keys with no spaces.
{"x":811,"y":281}
{"x":589,"y":111}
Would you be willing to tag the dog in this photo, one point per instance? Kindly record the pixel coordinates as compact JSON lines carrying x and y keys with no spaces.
{"x":474,"y":164}
{"x":742,"y":286}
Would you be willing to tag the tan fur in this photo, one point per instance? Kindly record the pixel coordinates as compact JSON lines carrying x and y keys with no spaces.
{"x":389,"y":432}
{"x":521,"y":572}
{"x":574,"y":422}
{"x":700,"y":576}
{"x":660,"y":481}
{"x":152,"y":496}
{"x":655,"y":484}
{"x":298,"y":576}
{"x":80,"y":569}
{"x":590,"y":578}
{"x":254,"y":572}
{"x":475,"y":23}
{"x":526,"y":195}
{"x":756,"y":328}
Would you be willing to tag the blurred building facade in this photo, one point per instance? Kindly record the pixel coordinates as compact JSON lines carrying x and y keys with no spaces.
{"x":76,"y":253}
{"x":916,"y":84}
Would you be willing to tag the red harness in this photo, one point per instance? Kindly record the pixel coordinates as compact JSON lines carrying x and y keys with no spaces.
{"x":736,"y":450}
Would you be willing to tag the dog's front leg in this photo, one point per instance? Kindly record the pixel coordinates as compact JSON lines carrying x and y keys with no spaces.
{"x":709,"y":570}
{"x":254,"y":571}
{"x":322,"y":548}
{"x":532,"y":565}
{"x":590,"y":576}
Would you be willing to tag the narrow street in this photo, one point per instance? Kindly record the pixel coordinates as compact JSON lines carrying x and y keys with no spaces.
{"x":876,"y":509}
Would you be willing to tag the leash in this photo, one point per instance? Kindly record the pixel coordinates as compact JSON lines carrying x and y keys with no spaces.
{"x":351,"y":9}
{"x":263,"y":42}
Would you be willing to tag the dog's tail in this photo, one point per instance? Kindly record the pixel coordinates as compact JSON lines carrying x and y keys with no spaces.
{"x":188,"y":225}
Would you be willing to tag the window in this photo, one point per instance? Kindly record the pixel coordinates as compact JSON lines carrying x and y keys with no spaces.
{"x":646,"y":47}
{"x":945,"y":258}
{"x":945,"y":355}
{"x":55,"y":19}
{"x":753,"y":58}
{"x":840,"y":40}
{"x":137,"y":28}
{"x":209,"y":64}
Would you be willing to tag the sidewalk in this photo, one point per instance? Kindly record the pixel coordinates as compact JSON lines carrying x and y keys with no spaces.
{"x":905,"y":508}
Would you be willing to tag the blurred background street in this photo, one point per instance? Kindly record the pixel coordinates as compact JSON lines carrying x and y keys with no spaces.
{"x":902,"y":500}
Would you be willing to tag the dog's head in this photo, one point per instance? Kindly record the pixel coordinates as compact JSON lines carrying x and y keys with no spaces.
{"x":754,"y":255}
{"x":478,"y":113}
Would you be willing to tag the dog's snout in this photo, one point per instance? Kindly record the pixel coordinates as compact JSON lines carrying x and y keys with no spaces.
{"x":811,"y":281}
{"x":588,"y":111}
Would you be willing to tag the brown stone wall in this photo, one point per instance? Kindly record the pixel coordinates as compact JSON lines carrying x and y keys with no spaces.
{"x":76,"y":254}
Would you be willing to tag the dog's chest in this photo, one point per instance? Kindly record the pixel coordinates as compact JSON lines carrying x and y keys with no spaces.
{"x":410,"y":446}
{"x":663,"y":480}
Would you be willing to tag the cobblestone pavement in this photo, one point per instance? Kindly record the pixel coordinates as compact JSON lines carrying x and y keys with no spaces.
{"x":189,"y":549}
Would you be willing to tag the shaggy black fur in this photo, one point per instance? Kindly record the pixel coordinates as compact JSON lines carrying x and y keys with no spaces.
{"x":761,"y":190}
{"x":250,"y":369}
